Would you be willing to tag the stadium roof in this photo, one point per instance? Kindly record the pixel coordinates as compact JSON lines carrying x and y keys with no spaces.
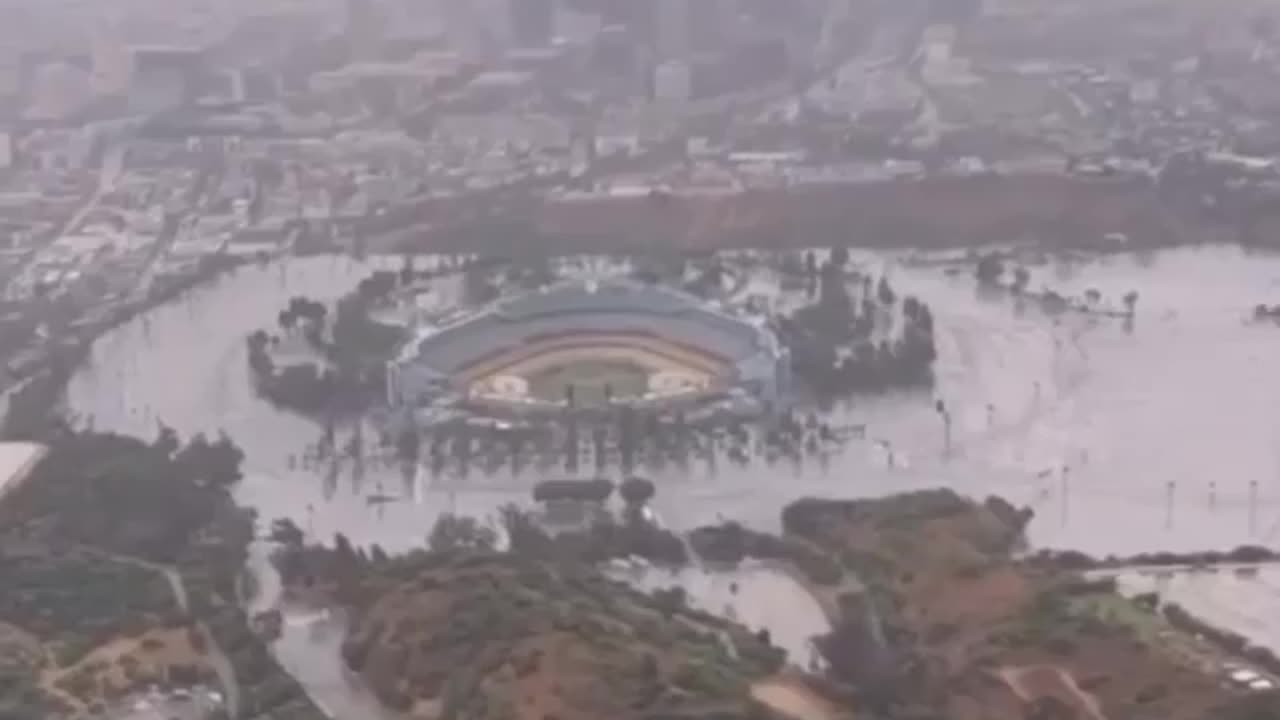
{"x":612,"y":306}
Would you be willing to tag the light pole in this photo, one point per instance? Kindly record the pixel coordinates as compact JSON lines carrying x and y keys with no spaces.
{"x":1064,"y":481}
{"x":1253,"y":507}
{"x":945,"y":414}
{"x":1168,"y":505}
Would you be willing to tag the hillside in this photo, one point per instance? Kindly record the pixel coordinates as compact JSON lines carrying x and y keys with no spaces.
{"x":953,"y":624}
{"x":119,"y":560}
{"x":501,"y":636}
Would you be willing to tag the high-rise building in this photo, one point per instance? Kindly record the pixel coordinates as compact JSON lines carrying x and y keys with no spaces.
{"x":672,"y":28}
{"x":164,"y":78}
{"x":532,"y":22}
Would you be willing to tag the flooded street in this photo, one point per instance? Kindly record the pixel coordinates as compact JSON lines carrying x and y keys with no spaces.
{"x":1159,"y":438}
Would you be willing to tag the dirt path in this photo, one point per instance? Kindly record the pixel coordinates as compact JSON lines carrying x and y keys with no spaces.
{"x":217,"y":657}
{"x":793,"y":699}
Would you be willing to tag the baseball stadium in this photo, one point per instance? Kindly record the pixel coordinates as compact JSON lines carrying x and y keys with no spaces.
{"x":589,"y":345}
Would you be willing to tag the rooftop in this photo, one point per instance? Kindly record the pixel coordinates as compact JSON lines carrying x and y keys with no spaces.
{"x":611,"y":306}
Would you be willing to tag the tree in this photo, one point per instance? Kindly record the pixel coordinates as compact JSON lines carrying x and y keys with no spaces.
{"x":833,"y":298}
{"x":840,"y":256}
{"x":1021,"y":278}
{"x":166,"y":442}
{"x":1131,"y":302}
{"x":910,"y":308}
{"x":885,"y":292}
{"x":989,"y":270}
{"x":407,"y":271}
{"x":524,"y":536}
{"x":454,"y":532}
{"x":225,"y":459}
{"x":342,"y":547}
{"x":285,"y":532}
{"x":637,"y":491}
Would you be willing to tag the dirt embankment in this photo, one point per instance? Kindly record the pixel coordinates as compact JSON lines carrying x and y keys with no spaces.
{"x":932,"y":213}
{"x":970,"y":633}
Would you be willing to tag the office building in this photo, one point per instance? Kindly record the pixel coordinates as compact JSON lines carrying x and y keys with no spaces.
{"x":164,"y":78}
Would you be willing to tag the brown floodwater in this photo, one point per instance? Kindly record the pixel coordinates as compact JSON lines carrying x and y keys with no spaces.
{"x":1162,"y":436}
{"x":1167,"y":432}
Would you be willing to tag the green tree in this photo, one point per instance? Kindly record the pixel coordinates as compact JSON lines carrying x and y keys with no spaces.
{"x":453,"y":532}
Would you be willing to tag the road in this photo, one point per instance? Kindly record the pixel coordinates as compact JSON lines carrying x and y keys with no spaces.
{"x":108,"y":174}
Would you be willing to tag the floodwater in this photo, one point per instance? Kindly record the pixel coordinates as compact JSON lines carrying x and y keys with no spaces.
{"x":1187,"y":397}
{"x":1159,"y":437}
{"x":1244,"y":603}
{"x":753,"y":594}
{"x":310,"y":648}
{"x":1162,"y":437}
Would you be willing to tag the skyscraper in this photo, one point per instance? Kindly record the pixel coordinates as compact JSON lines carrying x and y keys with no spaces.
{"x":164,"y":78}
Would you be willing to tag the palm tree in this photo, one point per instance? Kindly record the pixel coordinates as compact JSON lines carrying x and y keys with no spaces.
{"x":945,"y":414}
{"x":1131,"y":301}
{"x":1021,"y":278}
